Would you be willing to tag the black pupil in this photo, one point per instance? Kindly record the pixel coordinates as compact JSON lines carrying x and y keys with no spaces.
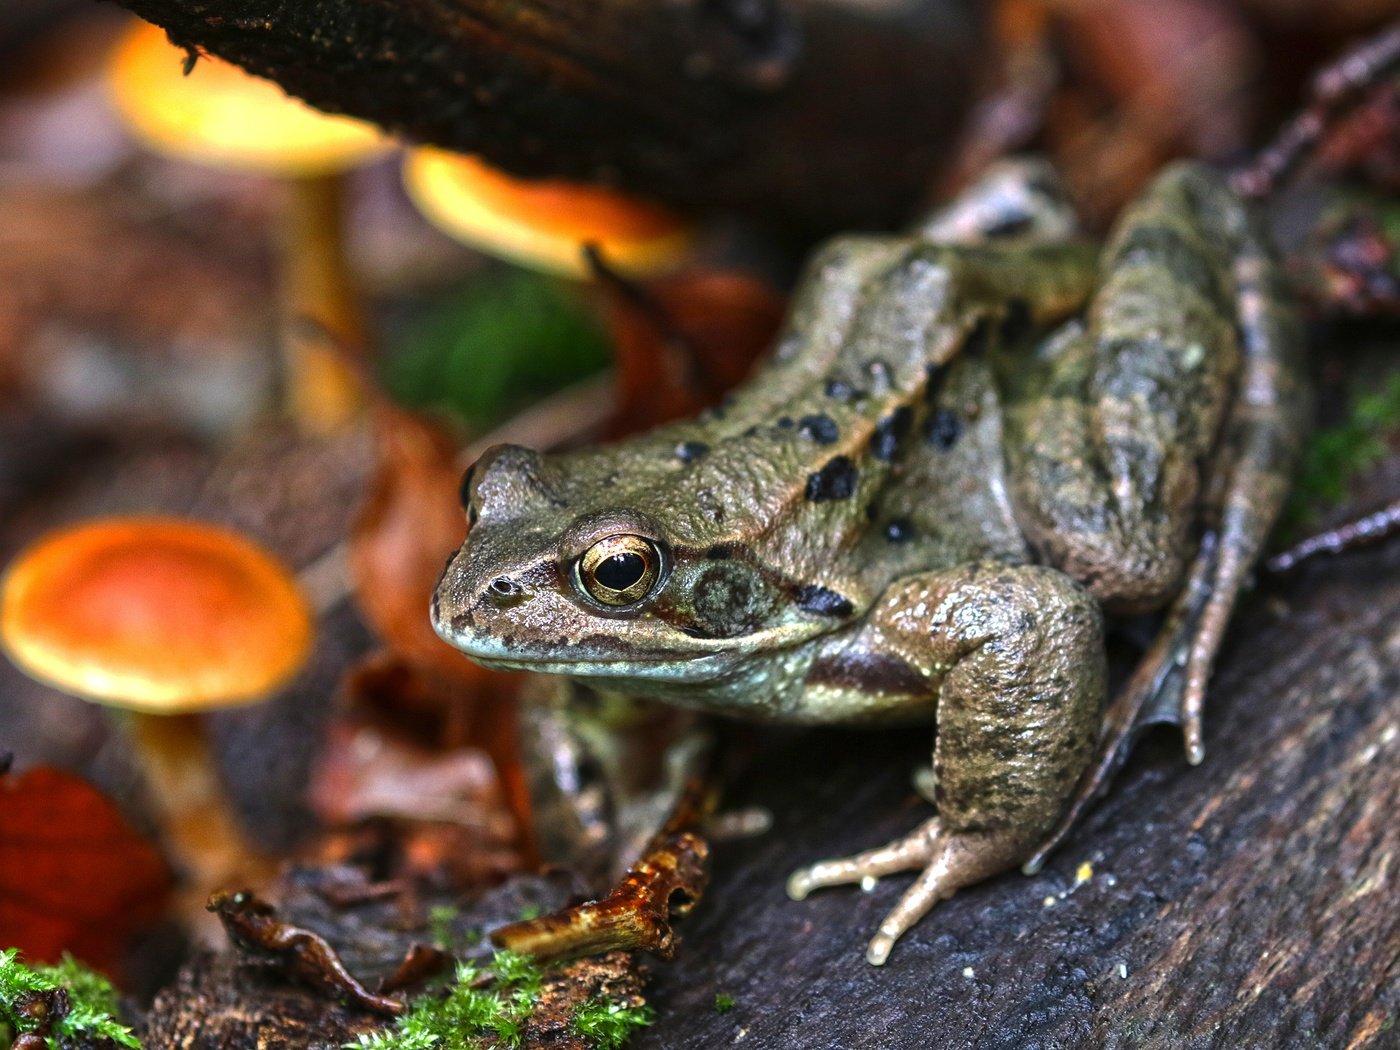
{"x":621,"y":571}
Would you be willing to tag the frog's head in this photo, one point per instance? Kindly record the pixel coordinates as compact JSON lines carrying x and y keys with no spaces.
{"x":567,"y":573}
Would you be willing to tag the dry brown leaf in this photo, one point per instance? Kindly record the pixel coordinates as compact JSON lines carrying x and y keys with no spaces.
{"x":682,"y":341}
{"x":410,"y":521}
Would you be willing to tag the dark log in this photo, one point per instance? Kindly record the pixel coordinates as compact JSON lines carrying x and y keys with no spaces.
{"x":822,"y":112}
{"x":1250,"y":902}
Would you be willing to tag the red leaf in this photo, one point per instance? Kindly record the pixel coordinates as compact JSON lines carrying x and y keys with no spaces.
{"x":73,"y":875}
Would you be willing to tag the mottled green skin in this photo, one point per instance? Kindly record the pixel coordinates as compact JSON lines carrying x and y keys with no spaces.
{"x":919,"y":506}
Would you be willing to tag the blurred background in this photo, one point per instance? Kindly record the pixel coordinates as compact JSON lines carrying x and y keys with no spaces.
{"x":219,"y":305}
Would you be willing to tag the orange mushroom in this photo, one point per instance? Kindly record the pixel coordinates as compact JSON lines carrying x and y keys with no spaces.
{"x":163,"y":619}
{"x":543,"y":224}
{"x":222,"y":117}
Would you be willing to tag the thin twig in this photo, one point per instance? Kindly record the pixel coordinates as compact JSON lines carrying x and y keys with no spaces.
{"x":1335,"y":90}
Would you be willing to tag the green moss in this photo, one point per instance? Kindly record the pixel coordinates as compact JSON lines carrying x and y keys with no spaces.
{"x":1339,"y":454}
{"x":723,"y":1003}
{"x":469,"y":1012}
{"x":502,"y":341}
{"x":93,"y":1001}
{"x":608,"y":1025}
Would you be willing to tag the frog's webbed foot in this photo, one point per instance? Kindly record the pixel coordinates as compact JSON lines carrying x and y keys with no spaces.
{"x":947,"y":861}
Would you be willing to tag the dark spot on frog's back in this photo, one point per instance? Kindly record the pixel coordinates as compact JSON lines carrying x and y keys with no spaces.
{"x":836,"y":480}
{"x":821,"y":428}
{"x":935,"y":377}
{"x":890,"y":433}
{"x":690,"y":451}
{"x":899,"y":530}
{"x":840,"y":390}
{"x":942,"y":429}
{"x":822,"y":601}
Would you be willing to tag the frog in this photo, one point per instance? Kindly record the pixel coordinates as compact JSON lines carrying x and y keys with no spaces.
{"x":971,"y":444}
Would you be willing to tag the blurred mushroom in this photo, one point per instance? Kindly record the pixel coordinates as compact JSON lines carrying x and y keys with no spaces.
{"x":209,"y":112}
{"x":543,"y":224}
{"x":163,"y":619}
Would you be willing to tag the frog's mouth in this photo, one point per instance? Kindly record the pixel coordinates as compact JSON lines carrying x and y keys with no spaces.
{"x":664,"y":655}
{"x":593,"y":657}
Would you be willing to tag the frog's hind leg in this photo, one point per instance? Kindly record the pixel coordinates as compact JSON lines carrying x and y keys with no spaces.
{"x":1261,"y":446}
{"x":1015,"y":655}
{"x":1121,"y":502}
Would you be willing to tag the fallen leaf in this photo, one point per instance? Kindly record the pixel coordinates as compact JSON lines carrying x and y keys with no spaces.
{"x":682,"y":341}
{"x":364,"y":774}
{"x":73,"y":875}
{"x":420,"y":709}
{"x":260,"y":937}
{"x":410,"y":521}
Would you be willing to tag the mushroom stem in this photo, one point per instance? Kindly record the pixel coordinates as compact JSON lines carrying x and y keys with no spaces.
{"x":321,"y":318}
{"x":203,"y":836}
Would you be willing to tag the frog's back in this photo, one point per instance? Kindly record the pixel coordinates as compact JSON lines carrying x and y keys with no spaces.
{"x":869,"y":445}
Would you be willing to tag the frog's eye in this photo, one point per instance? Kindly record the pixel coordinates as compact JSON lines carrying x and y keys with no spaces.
{"x":620,"y":570}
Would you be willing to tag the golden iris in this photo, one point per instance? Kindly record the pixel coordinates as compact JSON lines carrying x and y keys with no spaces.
{"x":620,"y":570}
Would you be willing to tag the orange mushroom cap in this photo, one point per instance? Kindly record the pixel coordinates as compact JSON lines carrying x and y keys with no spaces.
{"x":154,"y":614}
{"x":221,"y":116}
{"x":543,"y":223}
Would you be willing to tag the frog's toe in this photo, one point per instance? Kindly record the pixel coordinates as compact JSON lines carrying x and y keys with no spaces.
{"x":905,"y":854}
{"x":956,"y":860}
{"x":947,"y":861}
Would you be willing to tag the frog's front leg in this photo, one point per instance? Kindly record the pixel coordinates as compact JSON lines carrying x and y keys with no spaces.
{"x":1014,"y":656}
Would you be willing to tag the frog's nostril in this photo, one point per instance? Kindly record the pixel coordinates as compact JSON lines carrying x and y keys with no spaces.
{"x":504,"y":591}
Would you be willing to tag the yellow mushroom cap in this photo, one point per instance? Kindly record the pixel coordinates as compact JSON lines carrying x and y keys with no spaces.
{"x":157,"y":615}
{"x":543,"y":223}
{"x":223,"y":117}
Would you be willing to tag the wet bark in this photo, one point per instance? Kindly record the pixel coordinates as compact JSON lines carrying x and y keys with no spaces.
{"x":819,"y":112}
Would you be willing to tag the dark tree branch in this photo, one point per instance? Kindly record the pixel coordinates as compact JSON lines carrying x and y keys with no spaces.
{"x":823,"y":112}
